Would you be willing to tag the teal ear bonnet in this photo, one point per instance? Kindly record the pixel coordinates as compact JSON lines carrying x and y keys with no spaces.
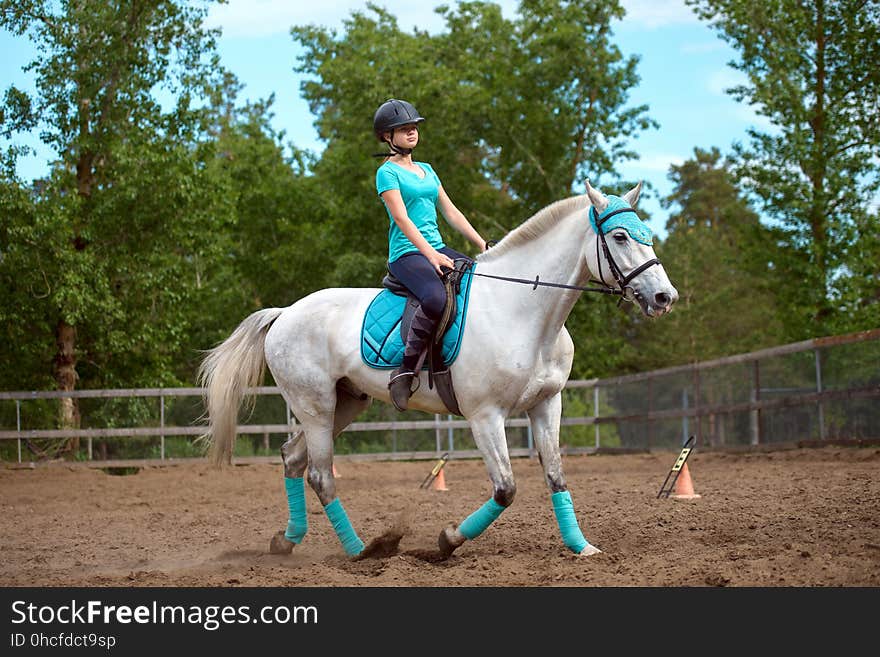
{"x":629,"y":221}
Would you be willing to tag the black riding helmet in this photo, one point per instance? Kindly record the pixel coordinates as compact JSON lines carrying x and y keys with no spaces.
{"x":393,"y":114}
{"x":390,"y":115}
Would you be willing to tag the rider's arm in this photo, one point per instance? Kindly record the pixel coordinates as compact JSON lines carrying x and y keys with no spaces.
{"x":457,"y":220}
{"x":397,"y":208}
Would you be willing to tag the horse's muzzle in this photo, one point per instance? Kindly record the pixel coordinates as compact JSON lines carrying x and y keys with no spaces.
{"x":663,"y":300}
{"x":660,"y":304}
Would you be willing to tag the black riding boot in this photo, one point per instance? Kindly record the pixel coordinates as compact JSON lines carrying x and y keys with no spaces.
{"x":417,"y":342}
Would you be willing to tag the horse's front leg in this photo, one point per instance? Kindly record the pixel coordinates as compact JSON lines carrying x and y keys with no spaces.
{"x":488,"y":430}
{"x":545,"y":418}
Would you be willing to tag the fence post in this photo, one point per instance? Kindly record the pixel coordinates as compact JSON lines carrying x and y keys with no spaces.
{"x":684,"y":418}
{"x":819,"y":390}
{"x":437,"y":431}
{"x":162,"y":426}
{"x":755,"y":415}
{"x":650,"y":410}
{"x":449,"y":437}
{"x":697,"y":401}
{"x":18,"y":425}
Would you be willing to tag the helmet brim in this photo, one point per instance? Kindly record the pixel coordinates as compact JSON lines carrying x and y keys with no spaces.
{"x":397,"y":124}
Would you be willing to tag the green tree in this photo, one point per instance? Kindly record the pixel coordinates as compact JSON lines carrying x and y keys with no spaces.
{"x":859,"y":289}
{"x":103,"y":259}
{"x":25,"y":285}
{"x":722,"y":260}
{"x":277,"y":249}
{"x":348,"y":77}
{"x":813,"y":68}
{"x":546,"y":93}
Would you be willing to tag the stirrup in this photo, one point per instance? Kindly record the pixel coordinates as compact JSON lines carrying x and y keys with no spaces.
{"x":400,"y":387}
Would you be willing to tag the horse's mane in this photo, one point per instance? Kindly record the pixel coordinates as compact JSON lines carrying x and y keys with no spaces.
{"x":534,"y":226}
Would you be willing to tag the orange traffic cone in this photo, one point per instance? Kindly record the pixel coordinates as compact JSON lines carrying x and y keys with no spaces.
{"x":684,"y":487}
{"x":439,"y":482}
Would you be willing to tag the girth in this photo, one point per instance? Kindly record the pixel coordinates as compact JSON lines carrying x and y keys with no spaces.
{"x":437,"y":370}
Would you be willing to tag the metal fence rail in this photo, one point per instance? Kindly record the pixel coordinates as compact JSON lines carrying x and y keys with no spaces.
{"x":816,"y":389}
{"x":811,"y":390}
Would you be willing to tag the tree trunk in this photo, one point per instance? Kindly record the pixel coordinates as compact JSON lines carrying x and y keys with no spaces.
{"x":818,"y":169}
{"x":65,"y":334}
{"x":66,"y":376}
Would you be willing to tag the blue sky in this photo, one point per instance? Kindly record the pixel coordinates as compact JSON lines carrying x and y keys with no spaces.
{"x":683,"y":71}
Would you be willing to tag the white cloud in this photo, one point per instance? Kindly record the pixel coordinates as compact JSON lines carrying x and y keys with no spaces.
{"x":654,"y":13}
{"x":255,"y":18}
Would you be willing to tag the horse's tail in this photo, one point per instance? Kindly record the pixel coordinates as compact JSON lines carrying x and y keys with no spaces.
{"x":227,"y":370}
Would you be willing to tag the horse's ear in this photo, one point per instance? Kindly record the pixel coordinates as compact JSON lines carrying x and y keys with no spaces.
{"x":597,"y":198}
{"x":632,"y":196}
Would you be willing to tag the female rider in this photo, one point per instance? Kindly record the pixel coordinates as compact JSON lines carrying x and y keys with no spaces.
{"x":412,"y":192}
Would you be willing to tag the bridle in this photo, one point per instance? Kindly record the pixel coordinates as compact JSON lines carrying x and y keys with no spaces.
{"x":625,"y":290}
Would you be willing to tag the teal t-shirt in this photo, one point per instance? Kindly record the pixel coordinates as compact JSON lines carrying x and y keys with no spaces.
{"x":420,"y":198}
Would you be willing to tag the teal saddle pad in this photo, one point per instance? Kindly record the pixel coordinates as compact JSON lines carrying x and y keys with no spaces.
{"x":381,"y":342}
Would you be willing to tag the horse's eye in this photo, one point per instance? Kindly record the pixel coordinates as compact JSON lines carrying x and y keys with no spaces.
{"x":620,"y":238}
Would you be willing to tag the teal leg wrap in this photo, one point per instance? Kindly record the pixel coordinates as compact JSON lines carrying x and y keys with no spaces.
{"x":476,"y":523}
{"x":347,"y":536}
{"x":298,"y":524}
{"x":568,"y":525}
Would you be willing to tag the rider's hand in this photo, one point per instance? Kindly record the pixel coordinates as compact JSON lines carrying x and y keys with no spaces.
{"x":439,"y":260}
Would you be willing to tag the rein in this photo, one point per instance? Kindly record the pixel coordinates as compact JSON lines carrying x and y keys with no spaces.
{"x":538,"y":282}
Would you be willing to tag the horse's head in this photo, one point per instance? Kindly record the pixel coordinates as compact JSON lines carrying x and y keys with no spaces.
{"x":621,"y":252}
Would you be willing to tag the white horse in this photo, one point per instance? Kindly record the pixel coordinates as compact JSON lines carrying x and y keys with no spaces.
{"x":515,"y":357}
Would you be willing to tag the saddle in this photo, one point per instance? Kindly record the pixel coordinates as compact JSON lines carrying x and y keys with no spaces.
{"x":438,"y":370}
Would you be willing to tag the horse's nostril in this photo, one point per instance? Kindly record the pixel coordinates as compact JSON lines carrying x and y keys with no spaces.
{"x":662,"y":299}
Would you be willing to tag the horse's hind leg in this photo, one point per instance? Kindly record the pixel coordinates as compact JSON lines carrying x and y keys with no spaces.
{"x":545,"y":418}
{"x":295,"y":457}
{"x":490,"y":438}
{"x":318,"y":428}
{"x":349,"y":404}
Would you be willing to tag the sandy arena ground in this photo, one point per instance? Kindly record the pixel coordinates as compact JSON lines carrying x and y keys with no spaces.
{"x":802,"y":517}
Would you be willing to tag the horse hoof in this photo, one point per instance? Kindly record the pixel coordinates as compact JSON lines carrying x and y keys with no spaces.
{"x":589,"y":550}
{"x":382,"y":546}
{"x":280,"y":545}
{"x":449,"y":540}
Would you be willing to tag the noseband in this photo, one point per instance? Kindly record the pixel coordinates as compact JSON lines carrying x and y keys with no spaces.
{"x":622,"y":281}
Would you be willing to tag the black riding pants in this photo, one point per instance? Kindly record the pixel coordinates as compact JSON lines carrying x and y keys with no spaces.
{"x":420,"y":278}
